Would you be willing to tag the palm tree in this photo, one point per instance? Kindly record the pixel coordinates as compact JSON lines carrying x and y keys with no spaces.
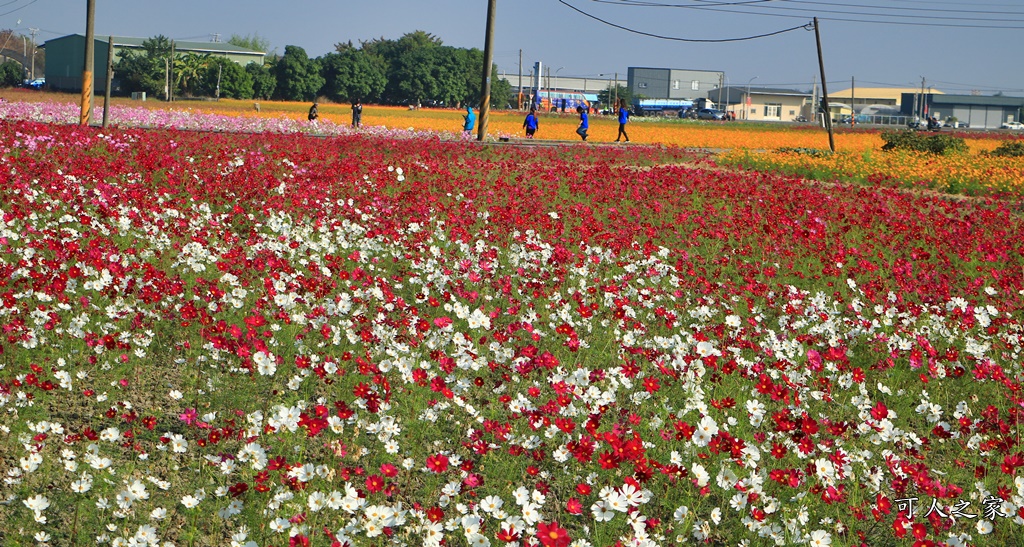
{"x":188,"y":70}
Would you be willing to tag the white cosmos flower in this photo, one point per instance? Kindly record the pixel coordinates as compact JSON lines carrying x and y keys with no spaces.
{"x":602,"y":511}
{"x":820,"y":538}
{"x":37,"y":503}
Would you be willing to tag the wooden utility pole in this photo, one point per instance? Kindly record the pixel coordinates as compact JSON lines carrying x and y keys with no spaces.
{"x":824,"y":90}
{"x":485,"y":101}
{"x":87,"y":71}
{"x":110,"y":78}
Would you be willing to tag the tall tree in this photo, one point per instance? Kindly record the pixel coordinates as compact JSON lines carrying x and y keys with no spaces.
{"x":11,"y":74}
{"x":352,"y":74}
{"x":234,"y":81}
{"x":188,"y":69}
{"x":298,"y":76}
{"x":145,"y":70}
{"x":264,"y":81}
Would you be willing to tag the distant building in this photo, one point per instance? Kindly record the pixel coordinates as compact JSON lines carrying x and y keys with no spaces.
{"x":672,"y":83}
{"x":861,"y":98}
{"x":978,"y":111}
{"x":65,"y":57}
{"x":761,"y":103}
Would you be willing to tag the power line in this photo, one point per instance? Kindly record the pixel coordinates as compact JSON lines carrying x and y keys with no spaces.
{"x":662,"y":37}
{"x":18,"y":8}
{"x":880,"y":18}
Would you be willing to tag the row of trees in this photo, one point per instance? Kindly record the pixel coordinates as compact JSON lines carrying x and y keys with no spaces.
{"x":414,"y":69}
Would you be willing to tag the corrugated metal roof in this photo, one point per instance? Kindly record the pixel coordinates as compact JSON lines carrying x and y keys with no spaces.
{"x":986,"y":100}
{"x":206,"y":47}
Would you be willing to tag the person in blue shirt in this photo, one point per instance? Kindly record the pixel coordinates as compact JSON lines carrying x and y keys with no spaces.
{"x":584,"y":123}
{"x":531,"y":123}
{"x":470,"y":120}
{"x":623,"y":120}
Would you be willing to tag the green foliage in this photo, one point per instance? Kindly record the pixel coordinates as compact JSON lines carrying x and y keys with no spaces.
{"x":1009,"y":149}
{"x":252,"y":41}
{"x":607,"y":96}
{"x":352,"y":74}
{"x":141,"y":72}
{"x":298,"y":76}
{"x":501,"y":91}
{"x":912,"y":140}
{"x":157,"y":47}
{"x":264,"y":81}
{"x":188,"y":71}
{"x":11,"y":74}
{"x":235,"y":81}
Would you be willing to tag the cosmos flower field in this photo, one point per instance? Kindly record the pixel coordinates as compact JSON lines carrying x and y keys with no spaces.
{"x":213,"y":337}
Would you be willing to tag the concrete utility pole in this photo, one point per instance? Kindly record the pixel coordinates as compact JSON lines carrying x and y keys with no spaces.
{"x":853,"y":100}
{"x":110,"y":78}
{"x":33,"y":62}
{"x":924,"y":109}
{"x":824,"y":90}
{"x":520,"y":100}
{"x":170,"y":78}
{"x":485,"y":101}
{"x":87,"y":71}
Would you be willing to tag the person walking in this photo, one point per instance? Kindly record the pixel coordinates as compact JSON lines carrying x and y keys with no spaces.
{"x":469,"y":121}
{"x":581,"y":130}
{"x":530,"y":123}
{"x":314,"y":113}
{"x":357,"y":114}
{"x":623,"y":120}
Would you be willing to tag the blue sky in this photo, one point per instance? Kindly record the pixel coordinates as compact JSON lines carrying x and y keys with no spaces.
{"x":956,"y":47}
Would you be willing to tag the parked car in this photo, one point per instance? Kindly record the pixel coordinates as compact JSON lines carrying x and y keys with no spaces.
{"x":38,"y":83}
{"x":1012,"y":125}
{"x":710,"y":114}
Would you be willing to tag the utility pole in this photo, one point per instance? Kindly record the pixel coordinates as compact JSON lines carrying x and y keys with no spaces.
{"x":814,"y":97}
{"x":170,"y":75}
{"x":219,"y":69}
{"x":721,"y":82}
{"x":87,"y":71}
{"x":824,"y":90}
{"x":110,"y":78}
{"x":485,"y":101}
{"x":924,"y":109}
{"x":853,"y":100}
{"x":616,"y":101}
{"x":33,"y":62}
{"x":520,"y":101}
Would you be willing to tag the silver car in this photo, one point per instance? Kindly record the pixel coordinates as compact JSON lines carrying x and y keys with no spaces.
{"x":710,"y":114}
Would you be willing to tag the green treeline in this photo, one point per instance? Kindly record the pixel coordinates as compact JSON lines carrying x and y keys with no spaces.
{"x":414,"y":69}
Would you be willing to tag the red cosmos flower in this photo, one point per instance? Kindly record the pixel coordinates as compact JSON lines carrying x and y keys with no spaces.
{"x":374,"y":483}
{"x":437,"y":463}
{"x":435,"y":514}
{"x":388,"y":470}
{"x":552,"y":536}
{"x":879,"y":412}
{"x":583,"y":489}
{"x":574,"y":506}
{"x":507,"y":535}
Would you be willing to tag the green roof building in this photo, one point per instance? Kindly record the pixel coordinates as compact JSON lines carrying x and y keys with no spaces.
{"x":65,"y":58}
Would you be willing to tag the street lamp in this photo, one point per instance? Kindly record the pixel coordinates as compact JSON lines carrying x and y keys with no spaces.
{"x":746,"y":110}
